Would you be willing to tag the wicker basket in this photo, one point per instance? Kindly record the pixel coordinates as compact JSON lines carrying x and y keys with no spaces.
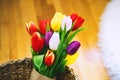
{"x":21,"y":70}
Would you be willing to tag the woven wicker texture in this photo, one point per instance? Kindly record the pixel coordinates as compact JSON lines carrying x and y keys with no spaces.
{"x":21,"y":70}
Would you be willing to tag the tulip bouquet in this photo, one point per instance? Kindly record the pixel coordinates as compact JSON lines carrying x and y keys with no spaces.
{"x":51,"y":47}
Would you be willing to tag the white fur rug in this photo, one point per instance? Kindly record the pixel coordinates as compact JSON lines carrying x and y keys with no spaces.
{"x":109,"y":38}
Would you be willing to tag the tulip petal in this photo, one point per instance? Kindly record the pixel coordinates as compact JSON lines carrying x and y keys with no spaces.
{"x":56,"y":21}
{"x":37,"y":42}
{"x":71,"y":58}
{"x":42,"y":26}
{"x":73,"y":47}
{"x":31,"y":28}
{"x":49,"y":58}
{"x":63,"y":23}
{"x":73,"y":17}
{"x":48,"y":35}
{"x":79,"y":21}
{"x":66,"y":22}
{"x":54,"y":41}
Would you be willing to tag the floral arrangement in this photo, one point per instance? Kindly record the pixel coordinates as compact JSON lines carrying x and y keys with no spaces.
{"x":51,"y":47}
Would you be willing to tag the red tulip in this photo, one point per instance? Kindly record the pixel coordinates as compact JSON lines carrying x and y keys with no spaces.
{"x":73,"y":17}
{"x":43,"y":25}
{"x":47,"y":22}
{"x":31,"y":28}
{"x":37,"y":42}
{"x":77,"y":20}
{"x":49,"y":58}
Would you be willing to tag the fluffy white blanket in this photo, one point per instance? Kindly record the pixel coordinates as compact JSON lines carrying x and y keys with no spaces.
{"x":109,"y":38}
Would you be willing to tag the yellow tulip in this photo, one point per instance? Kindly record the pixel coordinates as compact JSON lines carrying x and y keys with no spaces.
{"x":56,"y":21}
{"x":71,"y":58}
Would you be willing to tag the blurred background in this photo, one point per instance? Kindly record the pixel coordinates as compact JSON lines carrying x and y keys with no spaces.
{"x":15,"y":41}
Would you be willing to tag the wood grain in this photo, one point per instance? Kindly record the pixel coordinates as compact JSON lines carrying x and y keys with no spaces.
{"x":15,"y":41}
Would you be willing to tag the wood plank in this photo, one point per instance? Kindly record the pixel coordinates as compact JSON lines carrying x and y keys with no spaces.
{"x":27,"y":10}
{"x":43,"y":9}
{"x":12,"y":30}
{"x":4,"y":33}
{"x":4,"y":52}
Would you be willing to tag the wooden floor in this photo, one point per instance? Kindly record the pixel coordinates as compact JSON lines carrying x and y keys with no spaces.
{"x":15,"y":41}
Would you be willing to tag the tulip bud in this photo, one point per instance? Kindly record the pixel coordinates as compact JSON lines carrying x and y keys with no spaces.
{"x":44,"y":26}
{"x":73,"y":17}
{"x":56,"y":21}
{"x":31,"y":28}
{"x":77,"y":21}
{"x":66,"y":22}
{"x":54,"y":41}
{"x":48,"y":35}
{"x":73,"y":47}
{"x":49,"y":58}
{"x":37,"y":42}
{"x":47,"y":22}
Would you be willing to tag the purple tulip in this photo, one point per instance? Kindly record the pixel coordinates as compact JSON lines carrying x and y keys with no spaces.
{"x":73,"y":47}
{"x":48,"y":35}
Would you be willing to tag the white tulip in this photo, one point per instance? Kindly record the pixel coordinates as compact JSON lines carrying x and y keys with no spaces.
{"x":67,"y":21}
{"x":54,"y":41}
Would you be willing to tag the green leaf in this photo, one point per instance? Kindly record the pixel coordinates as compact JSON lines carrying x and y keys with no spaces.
{"x":63,"y":55}
{"x":73,"y":34}
{"x":61,"y":67}
{"x":43,"y":68}
{"x":48,"y":28}
{"x":37,"y":60}
{"x":47,"y":72}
